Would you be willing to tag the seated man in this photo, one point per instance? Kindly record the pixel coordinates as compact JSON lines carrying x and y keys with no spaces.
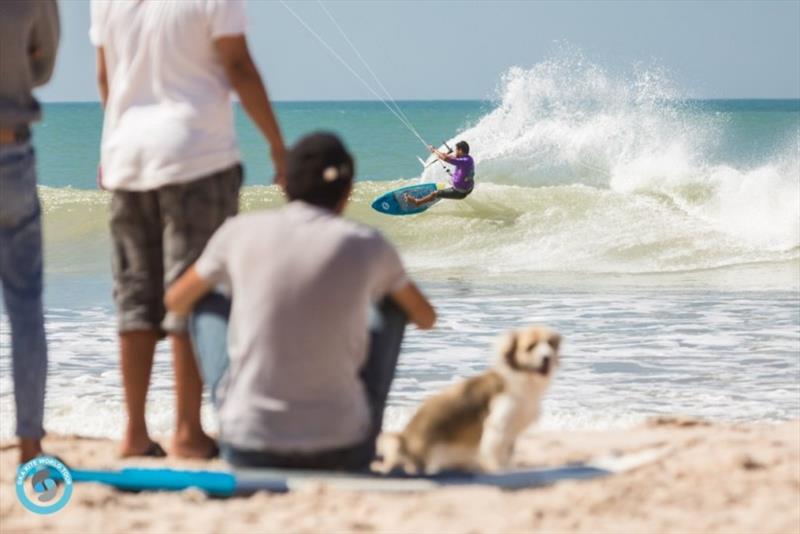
{"x":303,"y":381}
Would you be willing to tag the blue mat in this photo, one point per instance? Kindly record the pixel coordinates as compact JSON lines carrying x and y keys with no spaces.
{"x":225,"y":483}
{"x":246,"y":481}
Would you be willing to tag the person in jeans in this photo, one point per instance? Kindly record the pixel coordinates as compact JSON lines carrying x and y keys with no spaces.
{"x":29,"y":33}
{"x":169,"y":155}
{"x":303,"y":377}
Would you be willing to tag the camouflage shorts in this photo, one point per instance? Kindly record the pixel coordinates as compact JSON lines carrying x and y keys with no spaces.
{"x":157,"y":235}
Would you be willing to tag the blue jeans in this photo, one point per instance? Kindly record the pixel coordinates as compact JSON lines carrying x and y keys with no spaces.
{"x":21,"y":277}
{"x":208,"y":327}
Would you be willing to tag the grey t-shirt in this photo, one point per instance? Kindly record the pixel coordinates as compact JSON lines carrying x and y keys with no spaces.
{"x":302,"y":282}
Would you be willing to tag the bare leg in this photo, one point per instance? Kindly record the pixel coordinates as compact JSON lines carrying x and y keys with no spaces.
{"x":29,"y":449}
{"x":136,"y":355}
{"x":189,"y":440}
{"x":421,"y":200}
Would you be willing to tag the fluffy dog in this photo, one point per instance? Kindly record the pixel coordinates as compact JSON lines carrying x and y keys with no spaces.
{"x":474,"y":424}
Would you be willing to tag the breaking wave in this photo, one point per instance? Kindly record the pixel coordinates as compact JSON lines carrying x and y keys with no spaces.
{"x":578,"y":171}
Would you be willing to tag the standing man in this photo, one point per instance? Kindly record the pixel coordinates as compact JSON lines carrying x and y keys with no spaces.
{"x":170,"y":157}
{"x":28,"y":43}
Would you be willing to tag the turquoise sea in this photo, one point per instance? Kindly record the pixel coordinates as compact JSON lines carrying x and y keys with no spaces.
{"x":659,"y":234}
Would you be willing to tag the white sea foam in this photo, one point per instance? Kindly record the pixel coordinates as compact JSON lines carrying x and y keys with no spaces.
{"x":636,"y":149}
{"x":627,"y":354}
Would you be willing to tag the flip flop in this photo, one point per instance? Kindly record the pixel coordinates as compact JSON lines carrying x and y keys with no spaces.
{"x":213,"y":453}
{"x":153,"y":450}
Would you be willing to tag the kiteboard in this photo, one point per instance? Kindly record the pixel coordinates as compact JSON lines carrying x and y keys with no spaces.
{"x":394,"y":203}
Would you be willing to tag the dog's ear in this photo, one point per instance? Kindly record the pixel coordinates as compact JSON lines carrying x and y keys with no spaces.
{"x":507,"y":349}
{"x":554,"y":341}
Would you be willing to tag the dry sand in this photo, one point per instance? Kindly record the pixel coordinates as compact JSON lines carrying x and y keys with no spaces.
{"x":717,"y":478}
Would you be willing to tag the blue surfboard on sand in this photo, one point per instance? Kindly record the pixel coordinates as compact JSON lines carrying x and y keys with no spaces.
{"x":247,"y":481}
{"x":393,"y":203}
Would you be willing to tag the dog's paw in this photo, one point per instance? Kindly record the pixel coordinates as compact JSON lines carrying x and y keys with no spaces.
{"x":381,"y":466}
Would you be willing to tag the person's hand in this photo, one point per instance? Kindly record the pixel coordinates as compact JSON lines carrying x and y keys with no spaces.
{"x":432,"y":148}
{"x":278,"y":155}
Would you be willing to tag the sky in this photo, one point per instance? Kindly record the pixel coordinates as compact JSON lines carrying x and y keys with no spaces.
{"x":454,"y":50}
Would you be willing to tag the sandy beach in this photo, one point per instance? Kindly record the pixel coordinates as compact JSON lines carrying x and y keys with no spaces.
{"x":716,"y":478}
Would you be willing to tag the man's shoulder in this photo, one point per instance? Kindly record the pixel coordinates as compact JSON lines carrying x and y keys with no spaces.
{"x":360,"y":232}
{"x":254,"y":219}
{"x":355,"y":236}
{"x":277,"y":221}
{"x":120,"y":13}
{"x":183,"y":4}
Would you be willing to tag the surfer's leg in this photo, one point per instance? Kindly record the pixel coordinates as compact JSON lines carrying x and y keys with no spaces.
{"x":422,"y":200}
{"x":452,"y":193}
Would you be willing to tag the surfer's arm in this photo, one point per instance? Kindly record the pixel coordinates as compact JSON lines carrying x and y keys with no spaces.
{"x":413,"y":302}
{"x":441,"y":155}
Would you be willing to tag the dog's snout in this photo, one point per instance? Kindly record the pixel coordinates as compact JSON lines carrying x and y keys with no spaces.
{"x":545,"y":365}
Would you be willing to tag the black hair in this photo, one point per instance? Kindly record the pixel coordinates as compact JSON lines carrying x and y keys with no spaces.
{"x":464,"y":146}
{"x":319,"y":170}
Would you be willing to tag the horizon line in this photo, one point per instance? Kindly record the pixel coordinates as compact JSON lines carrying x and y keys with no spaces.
{"x":319,"y":100}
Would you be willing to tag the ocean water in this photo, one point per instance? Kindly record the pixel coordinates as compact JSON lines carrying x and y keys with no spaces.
{"x":660,"y":235}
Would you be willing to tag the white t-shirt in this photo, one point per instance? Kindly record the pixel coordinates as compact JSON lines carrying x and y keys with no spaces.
{"x":302,"y":282}
{"x":169,"y":117}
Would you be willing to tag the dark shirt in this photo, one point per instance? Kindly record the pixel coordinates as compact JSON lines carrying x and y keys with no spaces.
{"x":28,"y":41}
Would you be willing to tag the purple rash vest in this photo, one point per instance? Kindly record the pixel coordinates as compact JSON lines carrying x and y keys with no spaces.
{"x":464,"y":173}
